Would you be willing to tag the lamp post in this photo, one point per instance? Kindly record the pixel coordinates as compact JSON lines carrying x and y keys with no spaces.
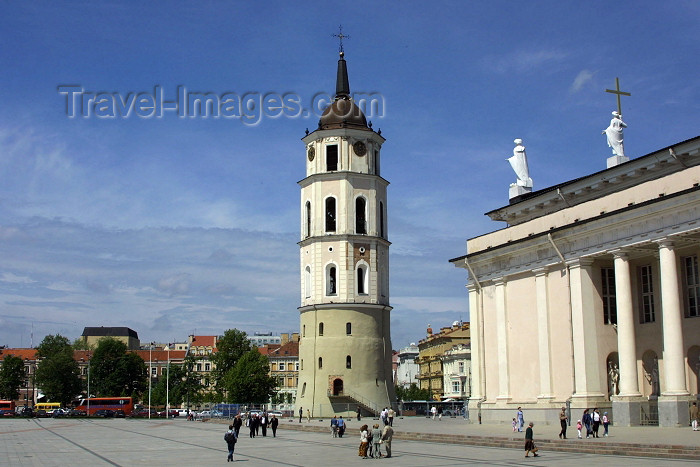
{"x":150,"y":376}
{"x":167,"y":387}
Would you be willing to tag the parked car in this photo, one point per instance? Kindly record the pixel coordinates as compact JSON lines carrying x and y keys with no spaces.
{"x":77,"y":413}
{"x":27,"y":412}
{"x":7,"y":413}
{"x":183,"y":412}
{"x":104,"y":413}
{"x":276,"y":413}
{"x":59,"y":413}
{"x":144,"y":413}
{"x":119,"y":414}
{"x":204,"y":414}
{"x":41,"y":414}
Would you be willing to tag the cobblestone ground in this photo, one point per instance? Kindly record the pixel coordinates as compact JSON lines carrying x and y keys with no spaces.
{"x":61,"y":442}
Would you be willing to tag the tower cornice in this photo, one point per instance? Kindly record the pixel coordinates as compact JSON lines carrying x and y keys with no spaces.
{"x":343,"y":238}
{"x":339,"y":175}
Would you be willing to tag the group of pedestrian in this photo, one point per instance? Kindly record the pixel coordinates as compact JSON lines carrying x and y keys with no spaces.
{"x":372,"y":440}
{"x":255,"y":423}
{"x":337,"y":426}
{"x":387,"y":416}
{"x":592,"y":421}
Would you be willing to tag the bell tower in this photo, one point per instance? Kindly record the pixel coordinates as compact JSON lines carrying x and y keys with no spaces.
{"x":345,"y":346}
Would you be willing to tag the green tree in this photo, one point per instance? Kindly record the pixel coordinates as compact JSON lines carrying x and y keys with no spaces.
{"x":116,"y":372}
{"x":57,"y":373}
{"x":249,"y":379}
{"x":229,"y":349}
{"x":175,"y":391}
{"x":81,"y":344}
{"x":192,"y":382}
{"x":11,"y":377}
{"x":412,"y":393}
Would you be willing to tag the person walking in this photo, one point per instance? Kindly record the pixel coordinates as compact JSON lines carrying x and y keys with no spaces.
{"x":334,"y":426}
{"x":563,"y":420}
{"x":359,"y":413}
{"x":606,"y":422}
{"x":376,"y":441}
{"x":341,"y":427}
{"x":364,"y":443}
{"x":274,"y":421}
{"x":693,"y":417}
{"x":301,"y":413}
{"x":391,"y":416}
{"x":578,"y":428}
{"x":596,"y":422}
{"x":433,"y":411}
{"x":586,"y":419}
{"x":230,"y":437}
{"x":250,"y":423}
{"x":440,"y":413}
{"x":521,"y":418}
{"x":237,"y":423}
{"x":530,"y":442}
{"x":308,"y":416}
{"x":263,"y":423}
{"x":387,"y":434}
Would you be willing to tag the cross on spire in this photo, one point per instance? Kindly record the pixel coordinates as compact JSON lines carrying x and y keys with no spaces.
{"x":340,"y":37}
{"x":619,"y":93}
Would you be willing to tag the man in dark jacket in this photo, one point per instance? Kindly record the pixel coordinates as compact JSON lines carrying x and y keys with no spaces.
{"x":237,"y":422}
{"x":230,"y":437}
{"x":274,"y":421}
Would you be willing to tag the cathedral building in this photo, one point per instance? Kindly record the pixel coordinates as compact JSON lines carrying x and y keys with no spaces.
{"x":345,"y":345}
{"x":590,"y":297}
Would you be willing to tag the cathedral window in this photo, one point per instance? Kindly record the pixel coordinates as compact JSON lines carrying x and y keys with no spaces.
{"x":381,"y":219}
{"x":360,"y":215}
{"x":303,"y":390}
{"x":320,"y":329}
{"x":646,"y":289}
{"x":331,"y":280}
{"x":376,"y":162}
{"x":307,"y":232}
{"x":608,"y":295}
{"x":330,"y":214}
{"x":691,"y":286}
{"x":303,"y":331}
{"x":307,"y":282}
{"x":331,"y":157}
{"x":362,"y":280}
{"x":348,"y":362}
{"x":348,"y":328}
{"x":320,"y":362}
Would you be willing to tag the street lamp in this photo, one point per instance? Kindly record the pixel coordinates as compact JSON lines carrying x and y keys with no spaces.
{"x":167,"y":387}
{"x":150,"y":376}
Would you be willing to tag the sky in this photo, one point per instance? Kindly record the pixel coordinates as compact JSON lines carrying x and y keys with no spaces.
{"x":113,"y":213}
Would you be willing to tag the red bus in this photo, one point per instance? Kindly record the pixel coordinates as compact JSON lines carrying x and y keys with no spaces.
{"x":7,"y":406}
{"x":112,"y":403}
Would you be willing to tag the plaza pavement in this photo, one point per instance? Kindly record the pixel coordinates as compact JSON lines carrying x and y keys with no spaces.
{"x":126,"y":442}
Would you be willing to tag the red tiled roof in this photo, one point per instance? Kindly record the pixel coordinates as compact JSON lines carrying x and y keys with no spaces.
{"x":204,"y":341}
{"x":160,"y":355}
{"x":290,"y":349}
{"x":21,"y":353}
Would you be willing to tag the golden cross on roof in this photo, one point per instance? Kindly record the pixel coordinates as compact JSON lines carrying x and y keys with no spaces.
{"x":619,"y":93}
{"x":340,"y":37}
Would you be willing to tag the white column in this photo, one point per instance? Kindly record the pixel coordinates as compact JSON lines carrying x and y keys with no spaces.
{"x":626,"y":341}
{"x":475,"y":333}
{"x":543,"y":333}
{"x":502,"y":339}
{"x":588,"y":363}
{"x":674,"y":361}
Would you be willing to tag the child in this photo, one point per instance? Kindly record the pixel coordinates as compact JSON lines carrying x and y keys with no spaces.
{"x":578,"y":427}
{"x":606,"y":422}
{"x":515,"y":425}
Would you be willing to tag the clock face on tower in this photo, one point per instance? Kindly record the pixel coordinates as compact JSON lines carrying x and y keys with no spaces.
{"x":360,"y":148}
{"x":311,"y":154}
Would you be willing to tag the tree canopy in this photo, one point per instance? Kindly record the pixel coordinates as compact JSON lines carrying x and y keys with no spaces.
{"x":249,"y":379}
{"x":230,"y":348}
{"x":57,"y":373}
{"x":116,"y":372}
{"x":412,"y":393}
{"x":11,"y":377}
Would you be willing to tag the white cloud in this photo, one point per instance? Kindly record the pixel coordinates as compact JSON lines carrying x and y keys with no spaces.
{"x":524,"y":61}
{"x":584,"y":76}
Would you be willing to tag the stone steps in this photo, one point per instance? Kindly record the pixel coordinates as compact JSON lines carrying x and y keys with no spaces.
{"x":600,"y":446}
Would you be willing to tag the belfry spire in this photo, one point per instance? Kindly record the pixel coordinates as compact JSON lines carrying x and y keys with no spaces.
{"x":342,"y":84}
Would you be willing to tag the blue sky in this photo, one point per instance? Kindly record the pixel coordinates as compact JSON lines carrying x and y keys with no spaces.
{"x":178,"y":225}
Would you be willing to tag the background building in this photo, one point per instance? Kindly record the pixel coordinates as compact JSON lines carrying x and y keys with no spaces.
{"x":91,"y":335}
{"x":456,"y":372}
{"x":430,"y":356}
{"x":407,"y":369}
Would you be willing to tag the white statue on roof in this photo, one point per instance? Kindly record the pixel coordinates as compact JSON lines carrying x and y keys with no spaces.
{"x":614,"y":134}
{"x":519,"y":163}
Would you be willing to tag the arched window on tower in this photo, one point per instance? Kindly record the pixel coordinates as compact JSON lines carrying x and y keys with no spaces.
{"x":307,"y":232}
{"x":320,"y":362}
{"x":381,"y":220}
{"x":331,"y":157}
{"x":331,"y":280}
{"x":330,"y":214}
{"x":348,"y":362}
{"x":348,"y":328}
{"x":376,"y":163}
{"x":360,"y":215}
{"x":307,"y":282}
{"x":362,"y":284}
{"x":320,"y":329}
